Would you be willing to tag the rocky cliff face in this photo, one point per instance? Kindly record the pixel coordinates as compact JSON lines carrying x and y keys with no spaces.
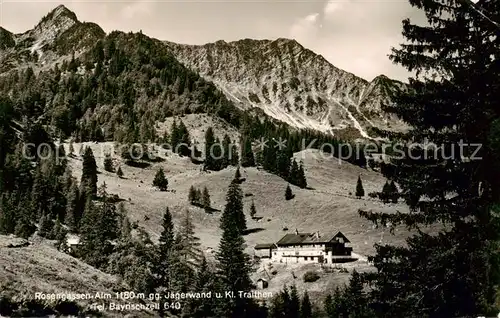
{"x":292,"y":84}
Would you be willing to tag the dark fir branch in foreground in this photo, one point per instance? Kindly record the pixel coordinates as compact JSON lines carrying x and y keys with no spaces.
{"x":452,"y":273}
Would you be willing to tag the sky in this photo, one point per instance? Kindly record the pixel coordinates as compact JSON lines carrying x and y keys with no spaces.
{"x":354,"y":35}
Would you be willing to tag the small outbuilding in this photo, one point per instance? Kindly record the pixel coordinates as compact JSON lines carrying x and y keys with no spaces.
{"x":264,"y":250}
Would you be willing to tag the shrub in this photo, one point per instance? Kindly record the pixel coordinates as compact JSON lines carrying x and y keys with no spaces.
{"x":310,"y":277}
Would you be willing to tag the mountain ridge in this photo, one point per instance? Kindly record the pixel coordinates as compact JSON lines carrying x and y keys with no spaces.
{"x":307,"y":90}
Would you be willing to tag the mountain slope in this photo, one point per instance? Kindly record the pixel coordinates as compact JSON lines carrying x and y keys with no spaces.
{"x":292,"y":84}
{"x":30,"y":267}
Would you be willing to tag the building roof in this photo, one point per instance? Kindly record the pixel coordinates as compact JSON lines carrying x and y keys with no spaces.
{"x":264,"y":246}
{"x":311,"y":238}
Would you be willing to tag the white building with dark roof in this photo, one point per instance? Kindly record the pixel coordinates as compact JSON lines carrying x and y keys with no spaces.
{"x":308,"y":248}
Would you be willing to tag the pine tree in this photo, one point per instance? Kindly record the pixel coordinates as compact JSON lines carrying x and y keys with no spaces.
{"x":188,"y":255}
{"x":185,"y":140}
{"x":24,"y":227}
{"x":193,"y":196}
{"x":98,"y":227}
{"x":283,"y":164}
{"x":205,"y":200}
{"x":108,"y":163}
{"x":253,"y":210}
{"x":288,"y":193}
{"x":301,"y":177}
{"x":89,"y":172}
{"x":175,"y":138}
{"x":247,"y":156}
{"x":164,"y":259}
{"x":60,"y":235}
{"x":160,"y":181}
{"x":203,"y":307}
{"x":119,"y":172}
{"x":335,"y":305}
{"x":237,"y":174}
{"x":233,"y":265}
{"x":228,"y":152}
{"x":305,"y":307}
{"x":233,"y":211}
{"x":360,"y":192}
{"x":293,"y":176}
{"x":73,"y":215}
{"x":394,"y":192}
{"x":385,"y":195}
{"x":7,"y":214}
{"x":45,"y":226}
{"x":294,"y":305}
{"x":452,"y":273}
{"x":210,"y":162}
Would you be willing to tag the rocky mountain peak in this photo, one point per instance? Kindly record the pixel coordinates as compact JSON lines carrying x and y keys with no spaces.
{"x":54,"y":23}
{"x":59,"y":16}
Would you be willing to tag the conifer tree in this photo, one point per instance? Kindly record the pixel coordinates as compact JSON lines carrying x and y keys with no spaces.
{"x":454,"y":273}
{"x":203,"y":307}
{"x":233,"y":211}
{"x":193,"y":196}
{"x":160,"y":181}
{"x":335,"y":305}
{"x":108,"y":163}
{"x":294,"y":306}
{"x":210,"y":162}
{"x":283,"y":164}
{"x":237,"y":174}
{"x":228,"y":152}
{"x":163,"y":268}
{"x":205,"y":200}
{"x":73,"y":215}
{"x":385,"y":195}
{"x":185,"y":140}
{"x":301,"y":177}
{"x":234,"y":157}
{"x":175,"y":138}
{"x":45,"y":226}
{"x":288,"y":193}
{"x":7,"y":214}
{"x":360,"y":192}
{"x":305,"y":307}
{"x":253,"y":210}
{"x":247,"y":156}
{"x":233,"y":265}
{"x":98,"y":228}
{"x":394,"y":192}
{"x":119,"y":172}
{"x":293,"y":176}
{"x":189,"y":245}
{"x":187,"y":255}
{"x":89,"y":172}
{"x":24,"y":227}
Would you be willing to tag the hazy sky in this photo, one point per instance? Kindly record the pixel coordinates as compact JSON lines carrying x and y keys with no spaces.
{"x":354,"y":35}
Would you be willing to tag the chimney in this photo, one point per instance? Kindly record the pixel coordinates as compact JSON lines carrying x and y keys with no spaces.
{"x":296,"y":231}
{"x":316,"y":235}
